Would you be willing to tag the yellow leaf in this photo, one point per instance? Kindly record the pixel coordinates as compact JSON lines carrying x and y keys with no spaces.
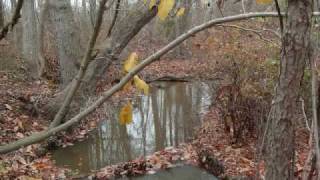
{"x":264,"y":1}
{"x":141,"y":85}
{"x":165,"y":7}
{"x":130,"y":62}
{"x":180,"y":12}
{"x":126,"y":114}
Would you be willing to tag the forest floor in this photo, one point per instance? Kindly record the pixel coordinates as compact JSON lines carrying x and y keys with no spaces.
{"x":19,"y":117}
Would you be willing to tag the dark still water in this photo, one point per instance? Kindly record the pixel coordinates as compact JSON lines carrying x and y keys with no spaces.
{"x":165,"y":118}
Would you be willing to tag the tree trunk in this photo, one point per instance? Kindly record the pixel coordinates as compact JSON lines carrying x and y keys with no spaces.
{"x":1,"y":14}
{"x":84,"y":23}
{"x":210,"y":13}
{"x":29,"y":38}
{"x":295,"y":52}
{"x":93,"y":11}
{"x":68,"y":39}
{"x":17,"y":30}
{"x":182,"y":24}
{"x":44,"y":15}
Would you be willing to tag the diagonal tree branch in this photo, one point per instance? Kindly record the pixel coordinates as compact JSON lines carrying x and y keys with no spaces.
{"x":37,"y":137}
{"x":14,"y":20}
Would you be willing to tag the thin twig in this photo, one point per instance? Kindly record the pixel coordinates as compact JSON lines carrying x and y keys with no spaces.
{"x":255,"y":31}
{"x":304,"y":114}
{"x":243,"y":6}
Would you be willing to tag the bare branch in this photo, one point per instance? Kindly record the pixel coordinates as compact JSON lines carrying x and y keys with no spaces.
{"x":255,"y":31}
{"x":47,"y":133}
{"x":14,"y":20}
{"x":304,"y":114}
{"x":114,"y":19}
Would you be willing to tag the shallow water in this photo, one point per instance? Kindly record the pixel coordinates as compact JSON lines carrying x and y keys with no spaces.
{"x":177,"y":173}
{"x":167,"y":117}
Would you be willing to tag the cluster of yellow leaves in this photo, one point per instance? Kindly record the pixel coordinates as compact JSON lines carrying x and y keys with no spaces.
{"x":164,"y":8}
{"x":125,"y":116}
{"x":264,"y":1}
{"x":131,"y":62}
{"x":141,"y":85}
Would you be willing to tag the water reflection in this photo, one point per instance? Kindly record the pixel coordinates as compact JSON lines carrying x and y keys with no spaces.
{"x":166,"y":117}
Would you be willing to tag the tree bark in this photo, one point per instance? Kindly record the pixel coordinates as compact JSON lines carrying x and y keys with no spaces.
{"x":182,"y":24}
{"x":30,"y":38}
{"x":1,"y":14}
{"x":84,"y":23}
{"x":68,"y":39}
{"x":17,"y":31}
{"x":296,"y":50}
{"x":44,"y":15}
{"x":93,"y":11}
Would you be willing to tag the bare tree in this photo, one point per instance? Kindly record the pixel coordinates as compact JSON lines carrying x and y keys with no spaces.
{"x":182,"y":24}
{"x":17,"y":30}
{"x":84,"y":22}
{"x":93,"y":11}
{"x":295,"y":52}
{"x":1,"y":14}
{"x":44,"y":16}
{"x":30,"y":38}
{"x":68,"y":39}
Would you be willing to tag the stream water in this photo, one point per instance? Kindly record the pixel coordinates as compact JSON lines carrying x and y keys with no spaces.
{"x":167,"y":117}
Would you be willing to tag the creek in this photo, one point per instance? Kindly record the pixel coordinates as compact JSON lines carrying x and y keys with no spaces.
{"x":166,"y":117}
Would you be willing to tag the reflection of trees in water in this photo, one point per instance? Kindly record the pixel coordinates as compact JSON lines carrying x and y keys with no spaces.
{"x":110,"y":145}
{"x":175,"y":114}
{"x":165,"y":118}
